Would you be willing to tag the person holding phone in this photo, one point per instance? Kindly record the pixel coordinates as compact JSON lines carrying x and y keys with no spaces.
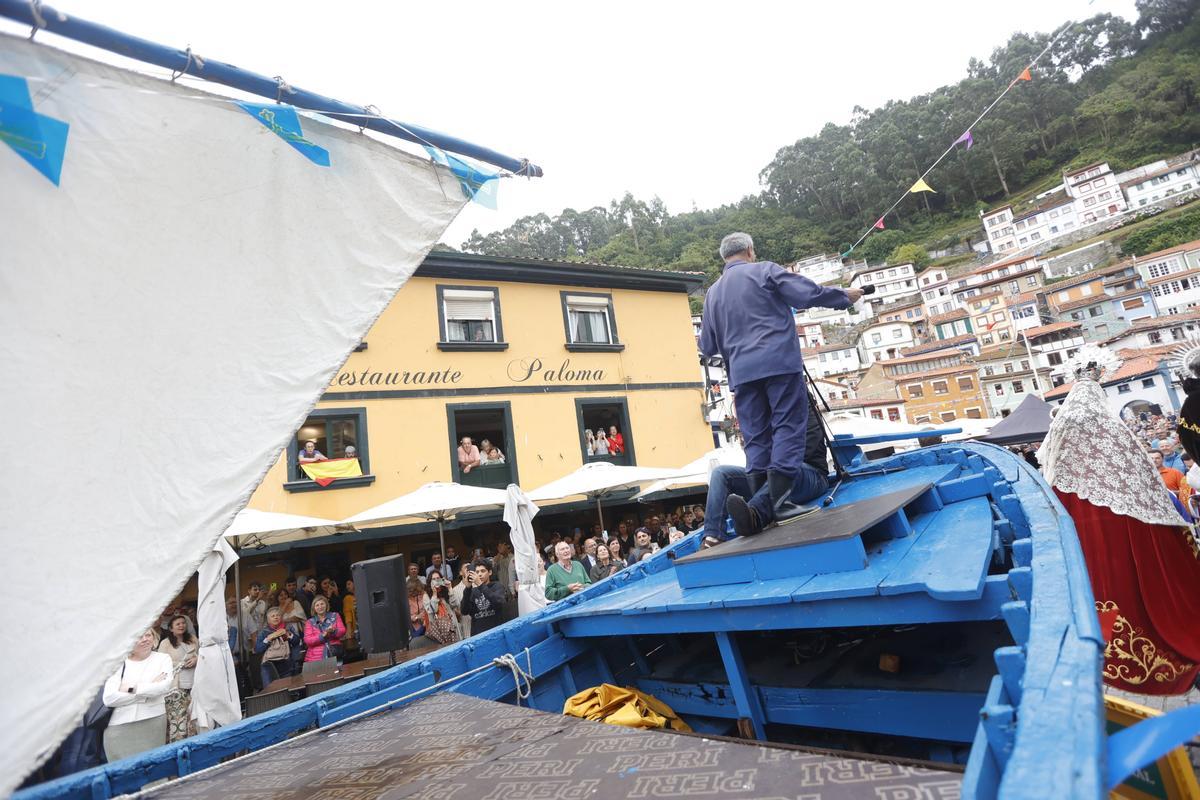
{"x":136,"y":695}
{"x":482,"y":599}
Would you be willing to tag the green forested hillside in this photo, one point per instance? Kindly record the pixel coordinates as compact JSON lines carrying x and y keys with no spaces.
{"x":1108,"y":89}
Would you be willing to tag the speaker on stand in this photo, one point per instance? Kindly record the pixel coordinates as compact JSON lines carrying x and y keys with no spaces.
{"x":380,"y":586}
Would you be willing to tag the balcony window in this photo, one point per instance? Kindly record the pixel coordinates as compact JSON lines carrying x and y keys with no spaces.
{"x":966,"y":385}
{"x":489,"y":428}
{"x":915,"y":390}
{"x":604,"y":414}
{"x":589,"y":322}
{"x":941,"y":387}
{"x":337,"y":433}
{"x":470,"y":318}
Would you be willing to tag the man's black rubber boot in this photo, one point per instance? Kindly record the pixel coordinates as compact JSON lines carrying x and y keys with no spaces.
{"x":780,"y":484}
{"x":745,"y":520}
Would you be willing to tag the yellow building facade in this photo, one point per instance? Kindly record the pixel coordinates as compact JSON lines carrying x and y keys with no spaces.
{"x":525,"y":354}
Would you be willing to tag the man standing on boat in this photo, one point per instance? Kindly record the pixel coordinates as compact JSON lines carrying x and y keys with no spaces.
{"x":748,"y":320}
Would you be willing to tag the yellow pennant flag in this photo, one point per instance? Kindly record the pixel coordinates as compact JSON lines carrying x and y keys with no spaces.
{"x":921,"y":186}
{"x":326,"y":472}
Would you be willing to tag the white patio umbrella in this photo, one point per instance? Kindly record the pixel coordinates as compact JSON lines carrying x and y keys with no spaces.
{"x":519,"y":512}
{"x":866,"y":426}
{"x":433,"y":501}
{"x":214,"y":690}
{"x":696,"y":472}
{"x":252,"y":525}
{"x":599,"y":479}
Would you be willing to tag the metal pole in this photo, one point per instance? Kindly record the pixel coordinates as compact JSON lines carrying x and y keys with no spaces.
{"x":186,"y":63}
{"x":237,"y":590}
{"x":1037,"y":387}
{"x":442,"y":539}
{"x":599,"y":512}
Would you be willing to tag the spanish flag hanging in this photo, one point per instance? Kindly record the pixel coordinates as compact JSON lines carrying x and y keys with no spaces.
{"x":921,"y":186}
{"x":326,"y":472}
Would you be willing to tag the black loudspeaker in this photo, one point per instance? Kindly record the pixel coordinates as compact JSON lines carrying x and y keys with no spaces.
{"x":382,"y":603}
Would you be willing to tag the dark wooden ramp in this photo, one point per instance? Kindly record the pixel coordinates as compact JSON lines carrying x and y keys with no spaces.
{"x":824,"y":541}
{"x":454,"y":747}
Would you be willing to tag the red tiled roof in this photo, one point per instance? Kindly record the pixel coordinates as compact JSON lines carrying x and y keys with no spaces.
{"x":1172,"y":276}
{"x":860,"y":403}
{"x":914,"y":377}
{"x":1179,"y":248}
{"x":1042,"y":330}
{"x":995,"y":264}
{"x":1087,"y":277}
{"x":828,"y":348}
{"x":1132,"y":368}
{"x":949,"y":316}
{"x":1084,"y":169}
{"x":1165,"y":321}
{"x":997,"y":210}
{"x":940,"y":344}
{"x":1083,"y":302}
{"x":1023,"y":297}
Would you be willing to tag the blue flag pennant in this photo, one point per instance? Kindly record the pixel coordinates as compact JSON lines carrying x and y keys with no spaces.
{"x":476,"y":184}
{"x":40,"y":140}
{"x":284,"y":122}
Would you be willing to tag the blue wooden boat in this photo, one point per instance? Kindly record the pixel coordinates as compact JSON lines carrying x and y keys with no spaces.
{"x":934,"y":618}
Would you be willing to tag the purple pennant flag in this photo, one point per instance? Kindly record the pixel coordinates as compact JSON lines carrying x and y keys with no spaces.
{"x":965,"y":138}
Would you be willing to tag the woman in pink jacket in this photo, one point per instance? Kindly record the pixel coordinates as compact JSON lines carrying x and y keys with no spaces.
{"x":323,"y":632}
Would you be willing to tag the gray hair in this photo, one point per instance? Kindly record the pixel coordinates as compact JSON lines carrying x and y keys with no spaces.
{"x":735,"y":243}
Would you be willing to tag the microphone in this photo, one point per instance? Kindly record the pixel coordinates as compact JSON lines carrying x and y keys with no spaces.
{"x":868,"y":288}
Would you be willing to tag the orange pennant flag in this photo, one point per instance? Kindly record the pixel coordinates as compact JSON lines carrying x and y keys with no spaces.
{"x":1025,"y":75}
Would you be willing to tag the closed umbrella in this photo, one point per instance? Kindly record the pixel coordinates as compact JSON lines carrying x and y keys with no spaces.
{"x":519,"y":512}
{"x":214,"y":691}
{"x":599,"y":479}
{"x":435,"y":502}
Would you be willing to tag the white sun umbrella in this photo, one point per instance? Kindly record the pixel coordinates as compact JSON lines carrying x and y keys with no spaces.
{"x":598,"y":479}
{"x":435,"y":502}
{"x":251,"y":524}
{"x":971,"y":428}
{"x":696,"y":472}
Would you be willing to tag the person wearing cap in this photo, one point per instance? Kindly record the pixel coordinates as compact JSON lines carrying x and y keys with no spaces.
{"x":748,"y":321}
{"x":310,"y":454}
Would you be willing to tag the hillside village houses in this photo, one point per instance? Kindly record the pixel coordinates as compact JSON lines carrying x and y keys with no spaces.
{"x":942,"y":343}
{"x":1009,"y":331}
{"x":1087,"y":197}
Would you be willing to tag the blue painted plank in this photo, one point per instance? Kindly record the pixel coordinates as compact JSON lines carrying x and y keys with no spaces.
{"x":882,"y":558}
{"x":765,"y":593}
{"x":841,"y":612}
{"x":949,"y":560}
{"x":871,"y":486}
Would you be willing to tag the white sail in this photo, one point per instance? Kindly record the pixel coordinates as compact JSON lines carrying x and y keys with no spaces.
{"x":169,"y":313}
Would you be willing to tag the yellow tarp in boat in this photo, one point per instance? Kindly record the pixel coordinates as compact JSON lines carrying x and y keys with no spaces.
{"x":626,"y":707}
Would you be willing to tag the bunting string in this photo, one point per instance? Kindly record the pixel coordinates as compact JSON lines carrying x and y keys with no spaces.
{"x":965,"y":139}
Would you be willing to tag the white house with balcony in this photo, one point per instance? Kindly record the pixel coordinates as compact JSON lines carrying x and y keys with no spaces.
{"x":1155,"y":182}
{"x":1049,"y":221}
{"x":884,"y":340}
{"x":998,"y":225}
{"x":1052,"y":345}
{"x":824,"y":268}
{"x":1095,"y":192}
{"x":891,"y":282}
{"x":1173,"y":275}
{"x":831,"y":359}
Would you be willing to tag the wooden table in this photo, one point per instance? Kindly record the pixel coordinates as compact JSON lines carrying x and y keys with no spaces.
{"x":355,"y":669}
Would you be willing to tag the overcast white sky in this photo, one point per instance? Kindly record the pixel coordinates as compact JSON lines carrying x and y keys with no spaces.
{"x":687,"y":101}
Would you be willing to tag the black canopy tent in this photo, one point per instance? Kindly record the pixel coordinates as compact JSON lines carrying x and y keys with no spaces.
{"x":1028,"y":423}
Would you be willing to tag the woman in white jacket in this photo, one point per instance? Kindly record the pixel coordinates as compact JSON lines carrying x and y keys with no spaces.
{"x":135,"y":694}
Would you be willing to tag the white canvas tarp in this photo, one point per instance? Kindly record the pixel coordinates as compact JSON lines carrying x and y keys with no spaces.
{"x":169,"y":313}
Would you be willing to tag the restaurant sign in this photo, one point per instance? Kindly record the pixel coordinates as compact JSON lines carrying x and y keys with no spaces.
{"x":520,"y":370}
